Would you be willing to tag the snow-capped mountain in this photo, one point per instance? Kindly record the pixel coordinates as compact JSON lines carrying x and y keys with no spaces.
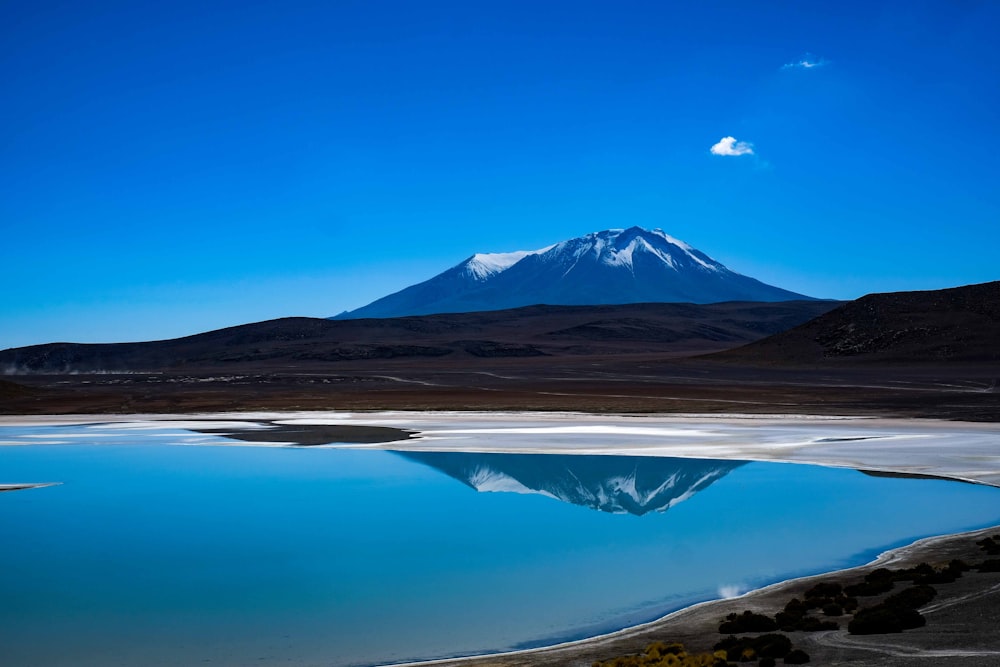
{"x":616,"y":266}
{"x":616,"y":484}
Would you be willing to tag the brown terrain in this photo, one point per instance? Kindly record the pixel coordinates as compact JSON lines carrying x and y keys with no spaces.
{"x":539,"y":357}
{"x":920,"y":354}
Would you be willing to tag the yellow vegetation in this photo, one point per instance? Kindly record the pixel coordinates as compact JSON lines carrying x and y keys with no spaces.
{"x":660,"y":654}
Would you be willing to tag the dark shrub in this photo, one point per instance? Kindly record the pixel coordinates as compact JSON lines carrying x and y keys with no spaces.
{"x":910,"y":618}
{"x":833,"y":610}
{"x":725,"y":643}
{"x":790,"y":617}
{"x":882,"y":619}
{"x":959,"y":565}
{"x":757,"y":622}
{"x":797,"y":657}
{"x":991,"y":565}
{"x":912,"y":598}
{"x":849,"y":604}
{"x":814,"y":603}
{"x":868,"y":588}
{"x":764,"y":646}
{"x":766,"y":662}
{"x":729,"y":627}
{"x":795,"y":618}
{"x":942,"y":577}
{"x":796,"y":607}
{"x":881,"y":574}
{"x":922,"y":570}
{"x":787,"y":622}
{"x":747,"y":622}
{"x":732,"y":646}
{"x":772,"y":646}
{"x":990,"y":545}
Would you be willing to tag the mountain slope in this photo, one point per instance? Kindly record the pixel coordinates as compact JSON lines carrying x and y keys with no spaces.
{"x":960,"y":324}
{"x":616,"y":266}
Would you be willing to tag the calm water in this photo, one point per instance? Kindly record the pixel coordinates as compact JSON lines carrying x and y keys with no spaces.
{"x":156,"y":554}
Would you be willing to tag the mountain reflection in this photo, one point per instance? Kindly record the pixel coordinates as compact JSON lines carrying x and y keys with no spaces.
{"x":617,"y":484}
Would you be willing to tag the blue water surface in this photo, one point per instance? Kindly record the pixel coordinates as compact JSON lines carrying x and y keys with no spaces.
{"x":155,"y":554}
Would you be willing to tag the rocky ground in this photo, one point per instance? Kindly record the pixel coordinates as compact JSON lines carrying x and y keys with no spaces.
{"x":633,"y":383}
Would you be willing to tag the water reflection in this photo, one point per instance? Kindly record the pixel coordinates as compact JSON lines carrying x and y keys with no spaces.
{"x":615,"y":484}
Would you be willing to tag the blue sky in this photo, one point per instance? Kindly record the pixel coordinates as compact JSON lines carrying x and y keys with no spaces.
{"x":169,"y":168}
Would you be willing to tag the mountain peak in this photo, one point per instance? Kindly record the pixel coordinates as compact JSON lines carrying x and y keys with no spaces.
{"x":618,"y":247}
{"x":613,"y":266}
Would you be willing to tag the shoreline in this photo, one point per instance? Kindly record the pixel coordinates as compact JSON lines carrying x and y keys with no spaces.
{"x":962,"y":451}
{"x":632,"y":638}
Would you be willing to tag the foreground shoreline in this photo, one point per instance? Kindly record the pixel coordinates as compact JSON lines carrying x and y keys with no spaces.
{"x":696,"y":626}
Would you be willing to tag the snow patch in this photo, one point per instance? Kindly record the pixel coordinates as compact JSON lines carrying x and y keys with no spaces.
{"x":688,"y":250}
{"x":600,"y":247}
{"x":603,"y":248}
{"x":484,"y":265}
{"x":488,"y":480}
{"x":595,"y":429}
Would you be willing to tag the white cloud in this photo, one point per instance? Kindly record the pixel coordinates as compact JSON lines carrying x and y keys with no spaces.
{"x":807,"y":62}
{"x":729,"y":146}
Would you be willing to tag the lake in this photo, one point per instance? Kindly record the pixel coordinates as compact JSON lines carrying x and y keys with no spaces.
{"x":157,"y":554}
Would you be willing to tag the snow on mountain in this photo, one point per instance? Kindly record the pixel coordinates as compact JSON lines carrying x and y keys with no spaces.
{"x":633,"y":265}
{"x":483,"y":265}
{"x":614,"y":484}
{"x":619,"y":247}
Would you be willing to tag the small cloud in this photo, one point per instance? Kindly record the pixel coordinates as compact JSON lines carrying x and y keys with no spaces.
{"x":806,"y":62}
{"x":729,"y":146}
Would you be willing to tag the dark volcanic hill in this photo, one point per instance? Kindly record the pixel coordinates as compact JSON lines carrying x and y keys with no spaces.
{"x":304,"y":343}
{"x":961,"y":324}
{"x":615,"y":266}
